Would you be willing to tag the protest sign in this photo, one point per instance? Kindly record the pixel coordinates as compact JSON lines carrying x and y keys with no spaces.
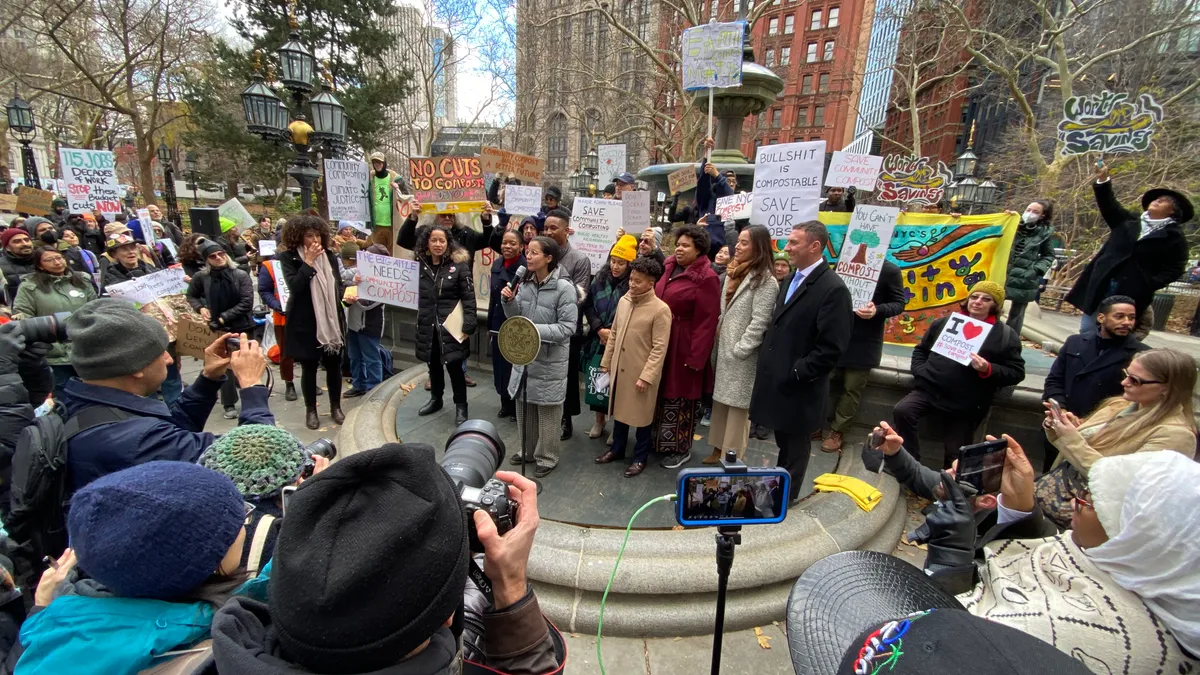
{"x":234,"y":211}
{"x":611,"y":163}
{"x":448,"y":184}
{"x":961,"y":336}
{"x":513,"y":164}
{"x":735,"y":207}
{"x":193,"y":337}
{"x":35,"y":202}
{"x":347,"y":190}
{"x":8,"y":203}
{"x":91,"y":181}
{"x":1108,"y":122}
{"x":864,"y":250}
{"x":682,"y":180}
{"x":787,"y":185}
{"x":712,"y":55}
{"x":849,"y":168}
{"x":281,"y":289}
{"x":147,"y":225}
{"x":596,"y":222}
{"x":635,"y":211}
{"x":913,"y":180}
{"x":392,"y":281}
{"x":145,"y":289}
{"x":524,"y":200}
{"x":266,"y":247}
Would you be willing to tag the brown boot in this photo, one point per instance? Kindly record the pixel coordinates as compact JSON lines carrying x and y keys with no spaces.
{"x":714,"y":458}
{"x":833,"y":443}
{"x":816,"y":435}
{"x":310,"y":418}
{"x":337,"y":415}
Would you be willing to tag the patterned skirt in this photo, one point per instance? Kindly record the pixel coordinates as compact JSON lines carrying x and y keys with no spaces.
{"x":675,"y":424}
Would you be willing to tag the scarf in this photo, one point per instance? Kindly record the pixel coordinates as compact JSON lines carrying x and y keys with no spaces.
{"x":1150,"y":225}
{"x":735,"y":274}
{"x":325,"y":305}
{"x":223,"y":293}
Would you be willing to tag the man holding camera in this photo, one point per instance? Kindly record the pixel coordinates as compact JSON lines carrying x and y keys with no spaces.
{"x":370,"y":576}
{"x":121,"y":357}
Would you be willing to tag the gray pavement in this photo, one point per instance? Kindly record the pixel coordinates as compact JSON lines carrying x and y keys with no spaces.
{"x":1041,"y":324}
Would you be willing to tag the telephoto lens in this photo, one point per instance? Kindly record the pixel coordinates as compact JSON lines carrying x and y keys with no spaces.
{"x":473,"y":453}
{"x":49,"y":329}
{"x":322,"y":447}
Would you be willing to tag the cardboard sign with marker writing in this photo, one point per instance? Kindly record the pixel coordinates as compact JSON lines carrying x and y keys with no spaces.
{"x":193,"y":337}
{"x":682,"y":180}
{"x":961,"y":336}
{"x":448,"y":184}
{"x":33,"y":201}
{"x":8,"y":203}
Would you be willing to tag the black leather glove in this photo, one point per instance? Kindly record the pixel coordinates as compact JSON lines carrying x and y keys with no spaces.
{"x":12,"y":343}
{"x":951,"y":554}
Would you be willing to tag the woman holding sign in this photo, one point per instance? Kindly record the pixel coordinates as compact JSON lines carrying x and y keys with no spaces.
{"x":51,"y":288}
{"x":445,"y":316}
{"x":958,"y":396}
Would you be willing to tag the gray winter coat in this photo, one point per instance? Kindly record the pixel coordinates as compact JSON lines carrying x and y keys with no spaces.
{"x":740,"y":333}
{"x":551,"y":306}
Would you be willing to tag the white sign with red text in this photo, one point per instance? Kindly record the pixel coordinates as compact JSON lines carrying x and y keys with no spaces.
{"x":961,"y":337}
{"x":849,"y":168}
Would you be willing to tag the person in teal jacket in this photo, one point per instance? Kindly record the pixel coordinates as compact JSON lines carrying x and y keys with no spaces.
{"x":161,"y":542}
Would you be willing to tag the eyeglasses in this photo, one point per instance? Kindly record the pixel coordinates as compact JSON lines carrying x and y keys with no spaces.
{"x":248,"y":508}
{"x":1081,"y":502}
{"x":1137,"y":381}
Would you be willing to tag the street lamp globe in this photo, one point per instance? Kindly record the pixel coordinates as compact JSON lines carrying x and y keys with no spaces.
{"x":965,"y":165}
{"x":164,"y":153}
{"x":578,"y":182}
{"x":190,"y":161}
{"x":20,"y":117}
{"x":261,"y":107}
{"x":328,"y":114}
{"x":968,"y":191}
{"x":296,"y":65}
{"x":988,"y":192}
{"x":591,"y":161}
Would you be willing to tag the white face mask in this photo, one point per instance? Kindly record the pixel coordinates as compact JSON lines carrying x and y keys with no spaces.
{"x":1030,"y":217}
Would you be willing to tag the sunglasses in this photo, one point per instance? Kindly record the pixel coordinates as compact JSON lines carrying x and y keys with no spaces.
{"x":1137,"y":381}
{"x":1081,"y":502}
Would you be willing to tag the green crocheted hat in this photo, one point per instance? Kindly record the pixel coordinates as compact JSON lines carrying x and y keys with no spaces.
{"x":260,"y":459}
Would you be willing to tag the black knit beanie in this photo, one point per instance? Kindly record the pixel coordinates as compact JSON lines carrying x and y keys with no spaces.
{"x":370,"y":561}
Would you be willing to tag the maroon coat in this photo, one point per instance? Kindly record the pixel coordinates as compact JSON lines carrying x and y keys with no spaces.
{"x":695,"y":301}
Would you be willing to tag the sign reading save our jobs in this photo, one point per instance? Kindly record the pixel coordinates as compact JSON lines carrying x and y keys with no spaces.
{"x":852,"y":169}
{"x":392,"y":281}
{"x":448,"y":184}
{"x":712,"y":55}
{"x":91,"y":181}
{"x":864,"y":250}
{"x":787,"y":185}
{"x":595,"y":222}
{"x":961,"y":337}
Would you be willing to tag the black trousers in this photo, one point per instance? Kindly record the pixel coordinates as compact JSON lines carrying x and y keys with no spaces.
{"x":571,"y":405}
{"x":332,"y":363}
{"x":795,"y":449}
{"x":958,"y":428}
{"x":229,"y":390}
{"x":437,"y":374}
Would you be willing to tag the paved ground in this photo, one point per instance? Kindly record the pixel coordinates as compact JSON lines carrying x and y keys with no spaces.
{"x":1060,"y":326}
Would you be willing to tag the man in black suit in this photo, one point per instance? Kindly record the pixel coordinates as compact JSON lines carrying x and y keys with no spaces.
{"x":809,"y":329}
{"x":1088,"y":367}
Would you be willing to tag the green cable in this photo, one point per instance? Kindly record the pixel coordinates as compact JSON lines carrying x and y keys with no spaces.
{"x":611,"y":577}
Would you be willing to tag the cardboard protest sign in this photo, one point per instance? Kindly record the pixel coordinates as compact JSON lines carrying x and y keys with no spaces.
{"x":281,"y":289}
{"x":193,"y":337}
{"x":787,"y":185}
{"x":913,"y":180}
{"x":347,"y":188}
{"x":91,"y":181}
{"x":392,"y":281}
{"x":35,"y":202}
{"x":611,"y":163}
{"x":448,"y":184}
{"x":8,"y":203}
{"x":682,"y":180}
{"x":595,"y":222}
{"x":961,"y":336}
{"x":735,"y":207}
{"x":1108,"y":122}
{"x":635,"y":211}
{"x":145,"y":289}
{"x":234,"y":211}
{"x":849,"y":168}
{"x":712,"y":55}
{"x":516,"y":165}
{"x":865,"y":249}
{"x":524,"y":200}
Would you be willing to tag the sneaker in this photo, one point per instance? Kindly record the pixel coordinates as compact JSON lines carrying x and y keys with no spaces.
{"x":231,"y":413}
{"x":833,"y":443}
{"x":707,"y":421}
{"x":675,"y":461}
{"x":517,"y":460}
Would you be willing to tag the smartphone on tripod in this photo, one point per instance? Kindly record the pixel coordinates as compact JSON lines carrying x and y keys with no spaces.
{"x":715,"y":497}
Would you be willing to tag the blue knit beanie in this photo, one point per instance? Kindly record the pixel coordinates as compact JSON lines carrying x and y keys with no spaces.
{"x":155,"y":530}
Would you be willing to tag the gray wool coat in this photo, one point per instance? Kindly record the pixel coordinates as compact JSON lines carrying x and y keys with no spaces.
{"x":551,"y":306}
{"x":740,"y":333}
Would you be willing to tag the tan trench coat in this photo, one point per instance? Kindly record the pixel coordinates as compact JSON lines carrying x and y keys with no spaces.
{"x":636,"y":350}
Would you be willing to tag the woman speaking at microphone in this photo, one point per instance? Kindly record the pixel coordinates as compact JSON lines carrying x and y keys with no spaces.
{"x":505,"y":270}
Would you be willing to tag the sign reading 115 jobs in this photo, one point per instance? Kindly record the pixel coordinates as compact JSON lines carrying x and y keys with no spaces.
{"x":91,"y":179}
{"x":712,"y":55}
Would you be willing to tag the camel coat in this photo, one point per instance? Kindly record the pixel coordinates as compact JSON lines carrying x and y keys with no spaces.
{"x":740,"y":332}
{"x":636,"y":349}
{"x":1174,"y":433}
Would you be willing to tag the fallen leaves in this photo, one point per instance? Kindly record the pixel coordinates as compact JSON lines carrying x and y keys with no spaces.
{"x":407,"y":387}
{"x":764,"y":640}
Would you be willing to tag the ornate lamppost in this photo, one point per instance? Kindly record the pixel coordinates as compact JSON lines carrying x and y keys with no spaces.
{"x":191,"y":168}
{"x":166,"y":158}
{"x":23,"y":128}
{"x":966,"y":192}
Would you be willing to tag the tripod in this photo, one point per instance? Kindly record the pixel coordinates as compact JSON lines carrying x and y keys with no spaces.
{"x":727,"y":538}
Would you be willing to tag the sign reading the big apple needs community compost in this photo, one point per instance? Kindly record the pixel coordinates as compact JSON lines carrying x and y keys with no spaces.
{"x":91,"y":181}
{"x":448,"y":184}
{"x":865,"y":249}
{"x":392,"y":281}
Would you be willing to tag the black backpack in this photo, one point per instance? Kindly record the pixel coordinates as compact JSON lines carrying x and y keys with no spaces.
{"x":41,"y":488}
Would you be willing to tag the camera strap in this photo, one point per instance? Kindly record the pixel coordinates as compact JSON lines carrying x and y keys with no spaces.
{"x":482,"y":582}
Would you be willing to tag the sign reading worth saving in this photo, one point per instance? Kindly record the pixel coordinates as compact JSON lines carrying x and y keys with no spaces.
{"x":611,"y":163}
{"x":712,"y":55}
{"x":852,"y":169}
{"x":150,"y":287}
{"x":448,"y":184}
{"x":635,"y":212}
{"x":682,"y":180}
{"x":1108,"y":122}
{"x":524,"y":200}
{"x":735,"y":207}
{"x":392,"y":281}
{"x":91,"y":181}
{"x":914,"y":180}
{"x":961,"y":337}
{"x":513,"y":164}
{"x":347,"y":190}
{"x":595,"y":222}
{"x":864,"y":250}
{"x":787,"y":185}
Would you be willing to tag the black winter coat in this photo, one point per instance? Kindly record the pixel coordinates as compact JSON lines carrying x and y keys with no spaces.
{"x":466,"y":237}
{"x":953,"y":387}
{"x":802,"y":346}
{"x":236,"y":319}
{"x":866,"y":336}
{"x":1032,"y":254}
{"x":1083,"y":375}
{"x":300,"y":333}
{"x":115,"y":273}
{"x":1139,"y":266}
{"x":442,"y":287}
{"x":236,"y":249}
{"x":14,"y":270}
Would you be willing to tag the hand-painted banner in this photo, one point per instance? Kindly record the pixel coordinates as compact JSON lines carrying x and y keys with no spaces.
{"x":448,"y":184}
{"x":611,"y":163}
{"x":1108,"y":122}
{"x":939,"y":257}
{"x":913,"y":180}
{"x":712,"y":55}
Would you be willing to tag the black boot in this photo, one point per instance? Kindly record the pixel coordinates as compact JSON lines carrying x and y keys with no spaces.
{"x":434,"y":405}
{"x":460,"y":414}
{"x":310,"y":418}
{"x":290,"y":394}
{"x":507,"y":408}
{"x":567,"y":428}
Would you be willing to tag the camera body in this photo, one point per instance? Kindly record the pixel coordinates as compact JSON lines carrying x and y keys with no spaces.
{"x":473,"y":453}
{"x":48,"y":329}
{"x":493,"y":500}
{"x":322,"y":447}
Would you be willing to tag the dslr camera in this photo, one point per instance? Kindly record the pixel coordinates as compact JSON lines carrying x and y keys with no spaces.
{"x":473,"y":453}
{"x":48,"y":329}
{"x":322,"y":447}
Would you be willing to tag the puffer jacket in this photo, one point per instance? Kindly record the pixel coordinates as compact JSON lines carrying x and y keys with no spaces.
{"x":1032,"y":254}
{"x":551,"y":307}
{"x":442,"y":287}
{"x":62,"y":296}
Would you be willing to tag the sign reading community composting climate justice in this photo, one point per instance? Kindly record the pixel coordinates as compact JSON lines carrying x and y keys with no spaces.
{"x":392,"y":281}
{"x":595,"y":222}
{"x":961,"y":337}
{"x":852,"y":169}
{"x":787,"y":185}
{"x":865,"y":249}
{"x":91,"y":181}
{"x":347,"y":189}
{"x":448,"y":184}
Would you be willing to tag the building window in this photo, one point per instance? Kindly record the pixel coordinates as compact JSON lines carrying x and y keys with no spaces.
{"x":804,"y":115}
{"x":777,"y":118}
{"x":789,"y":24}
{"x":833,"y":17}
{"x":812,"y":52}
{"x":770,"y":141}
{"x":823,"y":83}
{"x":770,"y":61}
{"x":556,"y":144}
{"x":773,"y":26}
{"x":819,"y":116}
{"x":828,"y":56}
{"x":589,"y":33}
{"x":806,"y":88}
{"x":716,"y":7}
{"x":785,"y":56}
{"x":816,"y":20}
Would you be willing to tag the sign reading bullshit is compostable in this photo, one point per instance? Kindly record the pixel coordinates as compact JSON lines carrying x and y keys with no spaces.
{"x":448,"y":184}
{"x":787,"y":185}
